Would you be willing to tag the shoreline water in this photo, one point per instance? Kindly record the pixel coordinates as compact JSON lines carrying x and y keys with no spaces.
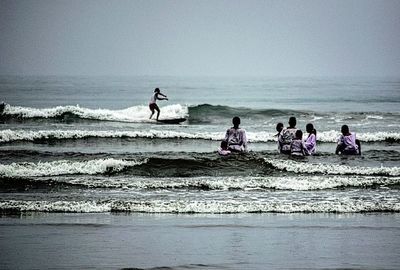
{"x":200,"y":241}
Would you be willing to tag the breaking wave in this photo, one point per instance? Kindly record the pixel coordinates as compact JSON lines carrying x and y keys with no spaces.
{"x":64,"y":167}
{"x":203,"y":113}
{"x":8,"y":135}
{"x":331,"y":169}
{"x":228,"y":206}
{"x":226,"y":183}
{"x":131,"y":114}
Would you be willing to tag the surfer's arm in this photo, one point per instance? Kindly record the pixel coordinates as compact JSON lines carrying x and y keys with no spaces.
{"x":160,"y":98}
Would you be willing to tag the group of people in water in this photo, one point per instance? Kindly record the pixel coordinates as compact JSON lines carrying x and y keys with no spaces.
{"x":290,"y":140}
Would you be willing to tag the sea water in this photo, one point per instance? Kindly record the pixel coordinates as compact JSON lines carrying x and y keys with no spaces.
{"x":85,"y":144}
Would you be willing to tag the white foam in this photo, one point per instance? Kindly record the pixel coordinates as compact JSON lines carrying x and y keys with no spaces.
{"x":9,"y":135}
{"x":132,"y":114}
{"x":26,"y":135}
{"x":311,"y":182}
{"x":334,"y":169}
{"x":64,"y":167}
{"x":338,"y":205}
{"x":57,"y":206}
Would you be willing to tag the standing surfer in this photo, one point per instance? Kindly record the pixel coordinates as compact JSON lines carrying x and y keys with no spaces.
{"x":153,"y":105}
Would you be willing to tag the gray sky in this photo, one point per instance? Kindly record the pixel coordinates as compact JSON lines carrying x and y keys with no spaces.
{"x":233,"y":38}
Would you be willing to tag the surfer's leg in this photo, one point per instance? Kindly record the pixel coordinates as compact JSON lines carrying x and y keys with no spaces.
{"x":151,"y":106}
{"x":158,"y":110}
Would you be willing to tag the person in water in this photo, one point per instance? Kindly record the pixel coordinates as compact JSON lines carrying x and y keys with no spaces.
{"x":153,"y":105}
{"x":297,"y":147}
{"x":236,"y":137}
{"x":223,"y":149}
{"x":310,"y":145}
{"x":347,"y":143}
{"x":279,"y":128}
{"x":287,"y":135}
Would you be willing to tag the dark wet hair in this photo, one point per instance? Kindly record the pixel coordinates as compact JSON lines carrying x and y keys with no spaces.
{"x":299,"y":134}
{"x":345,"y":129}
{"x":279,"y":127}
{"x":236,"y":121}
{"x":157,"y":90}
{"x":310,"y":129}
{"x":292,"y":121}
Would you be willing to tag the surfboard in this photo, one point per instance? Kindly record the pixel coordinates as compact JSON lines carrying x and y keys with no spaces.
{"x":171,"y":121}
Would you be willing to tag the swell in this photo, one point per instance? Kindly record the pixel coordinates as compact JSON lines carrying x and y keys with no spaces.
{"x":205,"y":113}
{"x":237,"y":165}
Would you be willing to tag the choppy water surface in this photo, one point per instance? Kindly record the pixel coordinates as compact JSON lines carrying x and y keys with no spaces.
{"x":70,"y":144}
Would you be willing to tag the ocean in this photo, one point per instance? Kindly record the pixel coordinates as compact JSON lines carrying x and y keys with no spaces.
{"x":85,"y":144}
{"x":78,"y":145}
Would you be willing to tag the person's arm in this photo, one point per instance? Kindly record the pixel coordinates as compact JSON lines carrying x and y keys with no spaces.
{"x":244,"y":140}
{"x":227,"y":136}
{"x":304,"y":150}
{"x":161,"y":98}
{"x":339,"y":145}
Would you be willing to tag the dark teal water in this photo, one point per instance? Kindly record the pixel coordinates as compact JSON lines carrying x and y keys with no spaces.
{"x":85,"y":144}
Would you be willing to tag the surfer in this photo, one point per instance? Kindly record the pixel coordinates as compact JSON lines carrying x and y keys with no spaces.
{"x":153,"y":105}
{"x":287,"y":135}
{"x":236,"y":137}
{"x":347,"y":143}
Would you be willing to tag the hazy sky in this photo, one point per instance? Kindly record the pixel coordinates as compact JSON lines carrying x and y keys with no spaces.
{"x":271,"y":38}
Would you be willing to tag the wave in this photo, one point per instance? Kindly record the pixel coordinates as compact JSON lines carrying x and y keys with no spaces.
{"x":229,"y":206}
{"x":131,"y":114}
{"x":43,"y":135}
{"x":8,"y":135}
{"x":252,"y":165}
{"x":64,"y":167}
{"x":205,"y":113}
{"x":230,"y":183}
{"x":331,"y":169}
{"x":150,"y":167}
{"x":202,"y":113}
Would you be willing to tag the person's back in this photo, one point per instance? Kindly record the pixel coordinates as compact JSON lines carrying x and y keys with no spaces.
{"x":287,"y":135}
{"x":297,"y":146}
{"x":347,"y":142}
{"x":311,"y":142}
{"x":236,"y":137}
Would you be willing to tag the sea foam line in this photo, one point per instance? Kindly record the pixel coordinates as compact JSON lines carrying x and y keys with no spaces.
{"x":229,"y":206}
{"x":26,"y":135}
{"x":334,"y":169}
{"x":132,"y":114}
{"x":65,"y":167}
{"x":313,"y":182}
{"x":9,"y":135}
